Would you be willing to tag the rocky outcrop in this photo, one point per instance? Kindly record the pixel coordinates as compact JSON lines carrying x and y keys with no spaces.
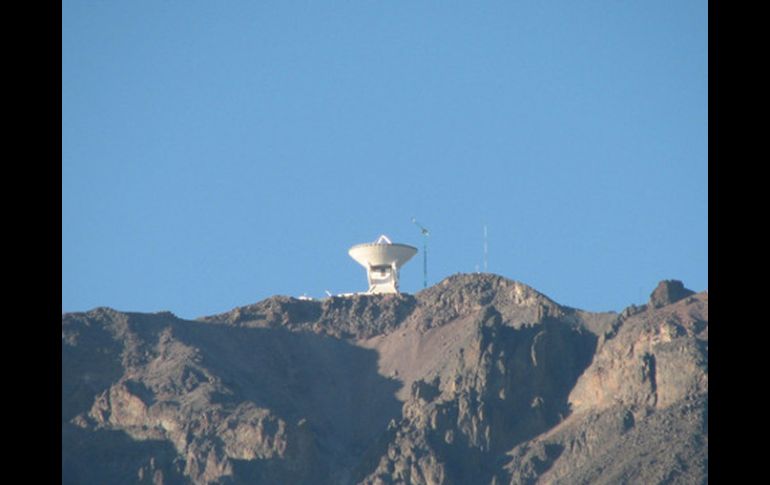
{"x":268,"y":404}
{"x":668,"y":292}
{"x":355,"y":316}
{"x":478,"y":379}
{"x":656,"y":358}
{"x":639,"y":411}
{"x":509,"y":386}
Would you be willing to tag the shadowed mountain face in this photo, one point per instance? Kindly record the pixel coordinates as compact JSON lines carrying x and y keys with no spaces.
{"x":477,"y":379}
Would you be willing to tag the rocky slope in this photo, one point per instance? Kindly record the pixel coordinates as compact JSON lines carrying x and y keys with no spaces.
{"x":478,"y":379}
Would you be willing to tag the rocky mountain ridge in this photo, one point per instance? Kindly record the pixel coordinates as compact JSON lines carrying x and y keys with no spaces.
{"x":478,"y":379}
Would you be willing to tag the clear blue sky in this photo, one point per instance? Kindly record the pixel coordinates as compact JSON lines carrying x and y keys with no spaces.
{"x":217,"y":153}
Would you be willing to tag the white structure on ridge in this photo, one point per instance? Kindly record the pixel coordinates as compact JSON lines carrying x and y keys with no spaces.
{"x":382,"y":260}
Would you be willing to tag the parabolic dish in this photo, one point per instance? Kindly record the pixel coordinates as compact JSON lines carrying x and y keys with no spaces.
{"x":373,"y":254}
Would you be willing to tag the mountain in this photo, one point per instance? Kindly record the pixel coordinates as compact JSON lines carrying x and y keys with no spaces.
{"x":476,"y":380}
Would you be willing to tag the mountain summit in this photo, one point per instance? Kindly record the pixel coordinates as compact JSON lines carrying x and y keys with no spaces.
{"x":476,"y":380}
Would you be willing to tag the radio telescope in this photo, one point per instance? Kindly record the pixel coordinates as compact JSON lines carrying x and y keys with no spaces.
{"x":382,"y":259}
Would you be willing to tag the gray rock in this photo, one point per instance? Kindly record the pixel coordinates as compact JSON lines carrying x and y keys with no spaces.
{"x":668,"y":292}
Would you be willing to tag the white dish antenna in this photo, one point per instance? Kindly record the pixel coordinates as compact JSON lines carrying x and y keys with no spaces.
{"x":382,"y":259}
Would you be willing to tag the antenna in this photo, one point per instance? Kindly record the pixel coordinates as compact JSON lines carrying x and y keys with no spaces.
{"x":382,"y":259}
{"x":486,"y":250}
{"x":425,"y":234}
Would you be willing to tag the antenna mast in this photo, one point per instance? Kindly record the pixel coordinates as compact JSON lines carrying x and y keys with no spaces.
{"x":425,"y":233}
{"x":486,"y":250}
